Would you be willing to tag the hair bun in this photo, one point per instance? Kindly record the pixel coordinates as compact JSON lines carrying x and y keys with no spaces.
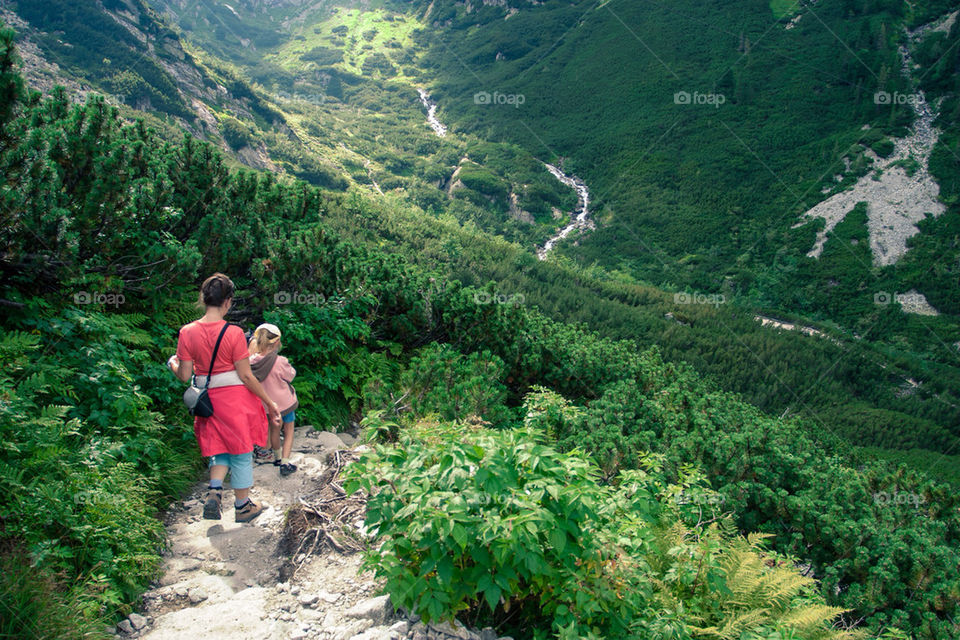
{"x":216,"y":290}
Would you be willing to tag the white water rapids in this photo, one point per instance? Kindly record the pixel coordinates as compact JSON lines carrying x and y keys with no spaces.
{"x":431,"y":108}
{"x":579,"y":219}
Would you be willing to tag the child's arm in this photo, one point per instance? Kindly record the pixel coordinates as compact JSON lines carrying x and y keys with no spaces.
{"x":286,"y":370}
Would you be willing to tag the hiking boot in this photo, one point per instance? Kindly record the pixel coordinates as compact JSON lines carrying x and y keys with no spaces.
{"x":262,"y":455}
{"x":287,"y":469}
{"x":248,"y":512}
{"x":211,"y":504}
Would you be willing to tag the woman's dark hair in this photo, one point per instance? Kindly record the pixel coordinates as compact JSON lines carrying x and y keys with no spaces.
{"x":215,"y":290}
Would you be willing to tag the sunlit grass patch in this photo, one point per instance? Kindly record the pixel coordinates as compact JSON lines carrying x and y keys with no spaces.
{"x":784,"y":8}
{"x":358,"y":35}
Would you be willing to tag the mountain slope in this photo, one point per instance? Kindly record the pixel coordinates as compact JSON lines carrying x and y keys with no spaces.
{"x":707,"y":129}
{"x":110,"y":228}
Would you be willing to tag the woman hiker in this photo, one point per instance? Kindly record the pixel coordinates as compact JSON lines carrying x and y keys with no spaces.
{"x":238,"y":399}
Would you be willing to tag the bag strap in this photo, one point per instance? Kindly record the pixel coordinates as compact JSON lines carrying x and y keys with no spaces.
{"x":213,"y":358}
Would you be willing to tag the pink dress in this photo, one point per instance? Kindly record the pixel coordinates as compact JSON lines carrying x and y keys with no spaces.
{"x":238,"y":421}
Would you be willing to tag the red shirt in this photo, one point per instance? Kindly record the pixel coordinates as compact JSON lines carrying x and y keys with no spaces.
{"x":197,"y":340}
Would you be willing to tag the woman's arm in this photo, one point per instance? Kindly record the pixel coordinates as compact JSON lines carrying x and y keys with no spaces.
{"x":183,"y":369}
{"x":250,"y":382}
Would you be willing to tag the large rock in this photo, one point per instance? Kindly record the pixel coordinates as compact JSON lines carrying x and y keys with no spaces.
{"x":376,"y":610}
{"x":241,"y":617}
{"x":138,"y":621}
{"x":455,"y":630}
{"x":351,"y":630}
{"x":329,"y":440}
{"x":376,"y":633}
{"x":308,"y":599}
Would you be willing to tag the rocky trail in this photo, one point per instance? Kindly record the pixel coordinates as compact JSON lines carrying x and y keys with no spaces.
{"x":293,"y":573}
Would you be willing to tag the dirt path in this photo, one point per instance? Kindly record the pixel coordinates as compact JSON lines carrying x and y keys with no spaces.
{"x":233,"y":581}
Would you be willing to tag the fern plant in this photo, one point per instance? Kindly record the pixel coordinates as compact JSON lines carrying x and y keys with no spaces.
{"x":759,"y":600}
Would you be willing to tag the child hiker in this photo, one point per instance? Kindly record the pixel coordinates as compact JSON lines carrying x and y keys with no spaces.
{"x":276,"y":374}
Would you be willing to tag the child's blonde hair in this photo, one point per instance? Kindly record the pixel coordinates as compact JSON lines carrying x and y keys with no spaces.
{"x":265,"y":340}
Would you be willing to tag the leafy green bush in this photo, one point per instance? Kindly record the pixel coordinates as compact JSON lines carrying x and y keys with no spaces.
{"x":323,"y":56}
{"x":482,"y":180}
{"x":84,"y":461}
{"x":378,"y":64}
{"x":500,"y":528}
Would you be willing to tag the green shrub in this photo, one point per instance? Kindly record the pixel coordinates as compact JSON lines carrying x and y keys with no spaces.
{"x":323,"y":56}
{"x":34,"y":605}
{"x":779,"y":481}
{"x":84,"y":460}
{"x":320,"y":336}
{"x":883,"y":147}
{"x":442,"y":381}
{"x":505,"y":530}
{"x":236,"y":133}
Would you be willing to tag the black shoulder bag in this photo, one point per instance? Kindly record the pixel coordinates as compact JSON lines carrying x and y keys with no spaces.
{"x":197,"y":399}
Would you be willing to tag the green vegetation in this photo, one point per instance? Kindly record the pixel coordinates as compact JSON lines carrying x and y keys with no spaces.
{"x":84,"y":39}
{"x":362,"y":42}
{"x":784,"y":8}
{"x":326,"y":123}
{"x":704,"y":197}
{"x":738,"y":174}
{"x":500,"y":528}
{"x":400,"y":315}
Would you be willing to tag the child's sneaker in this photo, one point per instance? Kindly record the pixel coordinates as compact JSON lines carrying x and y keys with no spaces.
{"x":248,"y":512}
{"x":262,"y":455}
{"x":287,"y":469}
{"x":211,"y":504}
